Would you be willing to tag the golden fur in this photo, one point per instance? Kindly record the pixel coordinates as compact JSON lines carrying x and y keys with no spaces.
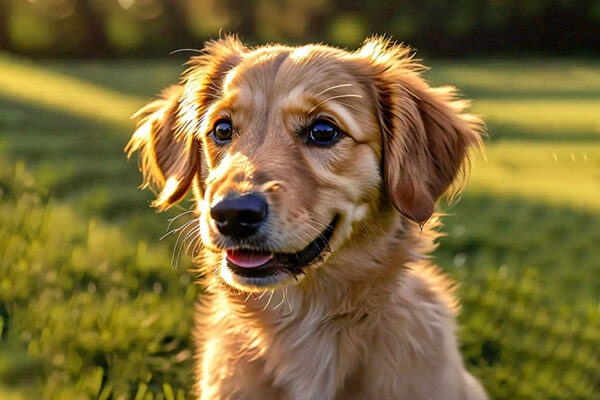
{"x":369,"y":319}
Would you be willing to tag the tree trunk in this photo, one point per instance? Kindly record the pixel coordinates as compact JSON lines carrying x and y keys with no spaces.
{"x":97,"y":44}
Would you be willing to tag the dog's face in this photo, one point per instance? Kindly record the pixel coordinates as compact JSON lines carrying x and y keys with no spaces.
{"x":290,"y":149}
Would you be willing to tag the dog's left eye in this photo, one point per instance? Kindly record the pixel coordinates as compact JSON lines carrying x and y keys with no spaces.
{"x":323,"y":133}
{"x":222,"y":131}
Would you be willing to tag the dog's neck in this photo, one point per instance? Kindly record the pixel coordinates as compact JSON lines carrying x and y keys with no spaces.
{"x":356,"y":280}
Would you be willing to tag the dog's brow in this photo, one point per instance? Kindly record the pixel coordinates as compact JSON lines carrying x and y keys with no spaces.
{"x":334,"y":87}
{"x":341,"y":96}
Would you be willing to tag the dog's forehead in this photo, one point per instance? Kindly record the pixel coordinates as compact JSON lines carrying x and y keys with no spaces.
{"x":304,"y":80}
{"x":279,"y":71}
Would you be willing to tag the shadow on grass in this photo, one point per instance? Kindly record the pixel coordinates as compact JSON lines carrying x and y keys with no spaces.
{"x":478,"y":93}
{"x":560,"y":242}
{"x":69,"y":153}
{"x":137,"y":78}
{"x":502,"y":131}
{"x":81,"y":162}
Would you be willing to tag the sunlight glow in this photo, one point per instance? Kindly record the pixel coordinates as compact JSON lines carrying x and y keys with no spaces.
{"x":170,"y":187}
{"x":26,"y":82}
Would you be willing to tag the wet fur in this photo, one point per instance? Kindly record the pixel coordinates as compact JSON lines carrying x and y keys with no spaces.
{"x":371,"y":319}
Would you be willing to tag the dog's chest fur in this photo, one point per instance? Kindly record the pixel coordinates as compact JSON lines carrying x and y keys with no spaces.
{"x":364,"y":338}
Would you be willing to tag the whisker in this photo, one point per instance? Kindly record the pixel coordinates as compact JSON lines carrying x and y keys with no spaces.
{"x":198,"y":244}
{"x":182,"y":229}
{"x":177,"y":229}
{"x":195,"y":236}
{"x":307,"y":237}
{"x":181,"y":50}
{"x":288,"y":302}
{"x":269,"y":301}
{"x":171,"y":220}
{"x":190,"y":233}
{"x":319,"y":224}
{"x":334,"y":87}
{"x":282,"y":299}
{"x":341,"y":96}
{"x":319,"y":233}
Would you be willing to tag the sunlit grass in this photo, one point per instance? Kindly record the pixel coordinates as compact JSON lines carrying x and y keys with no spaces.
{"x":539,"y":118}
{"x":544,"y":124}
{"x":541,"y":78}
{"x":24,"y":81}
{"x":550,"y":173}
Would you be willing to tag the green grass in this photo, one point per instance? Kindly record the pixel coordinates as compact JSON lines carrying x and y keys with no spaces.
{"x":87,"y":307}
{"x":90,"y":308}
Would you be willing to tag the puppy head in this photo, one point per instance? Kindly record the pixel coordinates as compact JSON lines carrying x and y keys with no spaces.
{"x":290,"y":149}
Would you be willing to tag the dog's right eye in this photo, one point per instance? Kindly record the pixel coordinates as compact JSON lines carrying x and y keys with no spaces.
{"x":323,"y":133}
{"x":222,"y":131}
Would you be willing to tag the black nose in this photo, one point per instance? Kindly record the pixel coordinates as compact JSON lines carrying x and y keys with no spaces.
{"x":239,"y":216}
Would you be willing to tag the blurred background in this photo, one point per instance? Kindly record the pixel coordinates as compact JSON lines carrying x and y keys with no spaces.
{"x":94,"y":306}
{"x":143,"y":28}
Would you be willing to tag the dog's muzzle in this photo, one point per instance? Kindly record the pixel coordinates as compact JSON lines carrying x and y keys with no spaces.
{"x":256,"y":264}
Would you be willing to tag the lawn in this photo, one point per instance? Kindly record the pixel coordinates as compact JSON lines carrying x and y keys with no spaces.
{"x":91,"y":308}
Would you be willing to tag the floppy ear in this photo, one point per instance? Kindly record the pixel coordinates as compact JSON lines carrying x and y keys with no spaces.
{"x":426,"y":134}
{"x":169,"y":159}
{"x":166,"y":129}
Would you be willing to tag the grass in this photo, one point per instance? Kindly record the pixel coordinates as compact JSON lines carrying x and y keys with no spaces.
{"x":551,"y":173}
{"x":89,"y":307}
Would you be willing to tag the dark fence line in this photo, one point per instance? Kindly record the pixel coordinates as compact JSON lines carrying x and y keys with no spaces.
{"x":150,"y":28}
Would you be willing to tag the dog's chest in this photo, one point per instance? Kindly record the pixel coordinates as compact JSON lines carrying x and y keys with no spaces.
{"x":313,"y":355}
{"x":301,"y":358}
{"x":312,"y":359}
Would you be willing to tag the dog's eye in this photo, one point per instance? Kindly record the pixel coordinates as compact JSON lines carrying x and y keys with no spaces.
{"x":222,"y":131}
{"x":323,"y":133}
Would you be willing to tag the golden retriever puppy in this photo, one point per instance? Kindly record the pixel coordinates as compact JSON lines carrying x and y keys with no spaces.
{"x":315,"y":172}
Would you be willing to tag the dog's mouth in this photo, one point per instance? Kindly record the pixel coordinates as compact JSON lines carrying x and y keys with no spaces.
{"x":258,"y":264}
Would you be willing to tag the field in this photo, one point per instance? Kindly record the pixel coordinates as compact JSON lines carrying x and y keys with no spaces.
{"x":91,"y":308}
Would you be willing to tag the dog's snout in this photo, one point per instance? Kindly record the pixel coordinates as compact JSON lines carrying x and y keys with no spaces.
{"x":239,"y":216}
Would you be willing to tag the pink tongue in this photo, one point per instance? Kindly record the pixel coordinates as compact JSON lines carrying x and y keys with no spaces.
{"x":247,"y":259}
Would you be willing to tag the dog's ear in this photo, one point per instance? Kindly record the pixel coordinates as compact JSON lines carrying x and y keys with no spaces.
{"x":167,"y":127}
{"x":169,"y":159}
{"x":426,"y":134}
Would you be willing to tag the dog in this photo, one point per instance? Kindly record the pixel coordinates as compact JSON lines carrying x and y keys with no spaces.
{"x":315,"y":173}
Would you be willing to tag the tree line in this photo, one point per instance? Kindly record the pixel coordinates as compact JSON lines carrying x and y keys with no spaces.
{"x":138,"y":28}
